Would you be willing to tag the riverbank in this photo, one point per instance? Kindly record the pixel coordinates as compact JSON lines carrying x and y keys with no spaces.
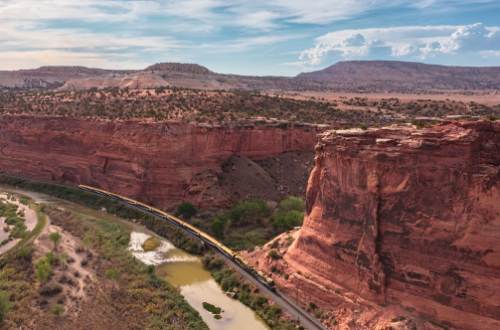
{"x":78,"y":274}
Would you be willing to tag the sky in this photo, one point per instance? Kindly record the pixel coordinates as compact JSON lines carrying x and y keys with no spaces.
{"x":251,"y":37}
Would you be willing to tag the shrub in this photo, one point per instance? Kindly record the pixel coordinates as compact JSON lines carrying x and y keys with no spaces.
{"x":55,"y":237}
{"x":230,"y":282}
{"x":111,"y":273}
{"x":286,"y":220}
{"x":25,"y":252}
{"x":186,"y":210}
{"x":212,"y":308}
{"x":273,"y":254}
{"x":19,"y":230}
{"x":211,"y":263}
{"x":219,"y":225}
{"x":43,"y":270}
{"x":52,"y":259}
{"x":292,"y":203}
{"x":249,"y":211}
{"x":57,"y":309}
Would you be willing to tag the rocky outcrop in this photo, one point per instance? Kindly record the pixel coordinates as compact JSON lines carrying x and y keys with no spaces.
{"x":402,"y":217}
{"x":141,"y":80}
{"x":161,"y":163}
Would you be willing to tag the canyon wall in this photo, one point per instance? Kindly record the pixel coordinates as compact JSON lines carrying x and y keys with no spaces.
{"x":159,"y":163}
{"x":406,"y":217}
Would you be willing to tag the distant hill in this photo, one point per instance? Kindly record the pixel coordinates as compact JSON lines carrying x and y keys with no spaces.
{"x":49,"y":76}
{"x":182,"y":75}
{"x":344,"y":76}
{"x":403,"y":76}
{"x":178,"y":68}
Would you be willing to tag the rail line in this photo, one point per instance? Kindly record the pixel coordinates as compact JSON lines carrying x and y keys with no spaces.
{"x":264,"y":283}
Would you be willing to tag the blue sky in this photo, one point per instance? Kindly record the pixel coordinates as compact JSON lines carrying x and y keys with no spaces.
{"x":259,"y":37}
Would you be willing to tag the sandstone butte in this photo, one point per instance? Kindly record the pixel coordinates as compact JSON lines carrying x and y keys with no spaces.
{"x":402,"y":229}
{"x":159,"y":163}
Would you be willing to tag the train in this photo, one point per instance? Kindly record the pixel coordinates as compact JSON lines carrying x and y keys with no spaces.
{"x":204,"y":237}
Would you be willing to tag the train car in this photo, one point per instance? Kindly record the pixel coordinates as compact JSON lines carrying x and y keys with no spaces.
{"x":257,"y":274}
{"x":268,"y":282}
{"x":107,"y":194}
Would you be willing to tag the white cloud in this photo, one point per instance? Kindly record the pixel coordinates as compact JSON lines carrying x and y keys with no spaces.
{"x":31,"y":59}
{"x":107,"y":29}
{"x":242,"y":44}
{"x":417,"y":42}
{"x":82,"y":10}
{"x":475,"y":37}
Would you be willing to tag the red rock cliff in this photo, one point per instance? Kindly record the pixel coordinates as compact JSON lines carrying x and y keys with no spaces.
{"x":406,"y":217}
{"x":162,"y":163}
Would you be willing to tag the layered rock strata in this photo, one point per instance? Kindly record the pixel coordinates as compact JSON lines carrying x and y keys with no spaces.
{"x":402,"y":217}
{"x":161,"y":163}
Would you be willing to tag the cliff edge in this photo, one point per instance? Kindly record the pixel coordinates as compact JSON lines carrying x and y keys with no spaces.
{"x":400,"y":217}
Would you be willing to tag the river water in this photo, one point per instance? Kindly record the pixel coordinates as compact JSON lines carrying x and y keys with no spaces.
{"x":186,"y":272}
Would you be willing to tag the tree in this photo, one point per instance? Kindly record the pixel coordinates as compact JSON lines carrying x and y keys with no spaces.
{"x":249,"y":212}
{"x":219,"y":227}
{"x":289,"y":214}
{"x":55,"y":237}
{"x":286,"y":220}
{"x":43,"y":270}
{"x":292,"y":203}
{"x":186,"y":210}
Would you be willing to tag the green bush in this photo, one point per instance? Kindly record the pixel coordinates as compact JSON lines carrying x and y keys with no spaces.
{"x":249,"y":211}
{"x":55,"y":237}
{"x":43,"y":269}
{"x":212,"y":308}
{"x":19,"y":230}
{"x":292,"y":203}
{"x":289,"y":214}
{"x":186,"y":210}
{"x":286,"y":220}
{"x":219,"y":225}
{"x":25,"y":253}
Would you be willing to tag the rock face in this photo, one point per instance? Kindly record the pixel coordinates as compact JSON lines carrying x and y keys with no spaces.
{"x":160,"y":163}
{"x":409,"y":218}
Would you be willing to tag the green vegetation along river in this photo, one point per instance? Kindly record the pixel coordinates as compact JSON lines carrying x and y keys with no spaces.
{"x":182,"y":270}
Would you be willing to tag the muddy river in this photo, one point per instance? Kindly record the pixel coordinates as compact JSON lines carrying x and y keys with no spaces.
{"x":186,"y":272}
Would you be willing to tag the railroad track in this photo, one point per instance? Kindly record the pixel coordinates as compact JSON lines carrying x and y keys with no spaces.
{"x":264,"y":283}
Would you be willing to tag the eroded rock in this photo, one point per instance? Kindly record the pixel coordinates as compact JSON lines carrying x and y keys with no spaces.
{"x":402,"y":230}
{"x":163,"y":163}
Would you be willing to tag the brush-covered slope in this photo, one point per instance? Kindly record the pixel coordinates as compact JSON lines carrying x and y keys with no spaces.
{"x":403,"y":76}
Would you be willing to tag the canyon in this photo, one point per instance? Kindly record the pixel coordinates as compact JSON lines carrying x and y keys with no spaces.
{"x":401,"y":224}
{"x":162,"y":163}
